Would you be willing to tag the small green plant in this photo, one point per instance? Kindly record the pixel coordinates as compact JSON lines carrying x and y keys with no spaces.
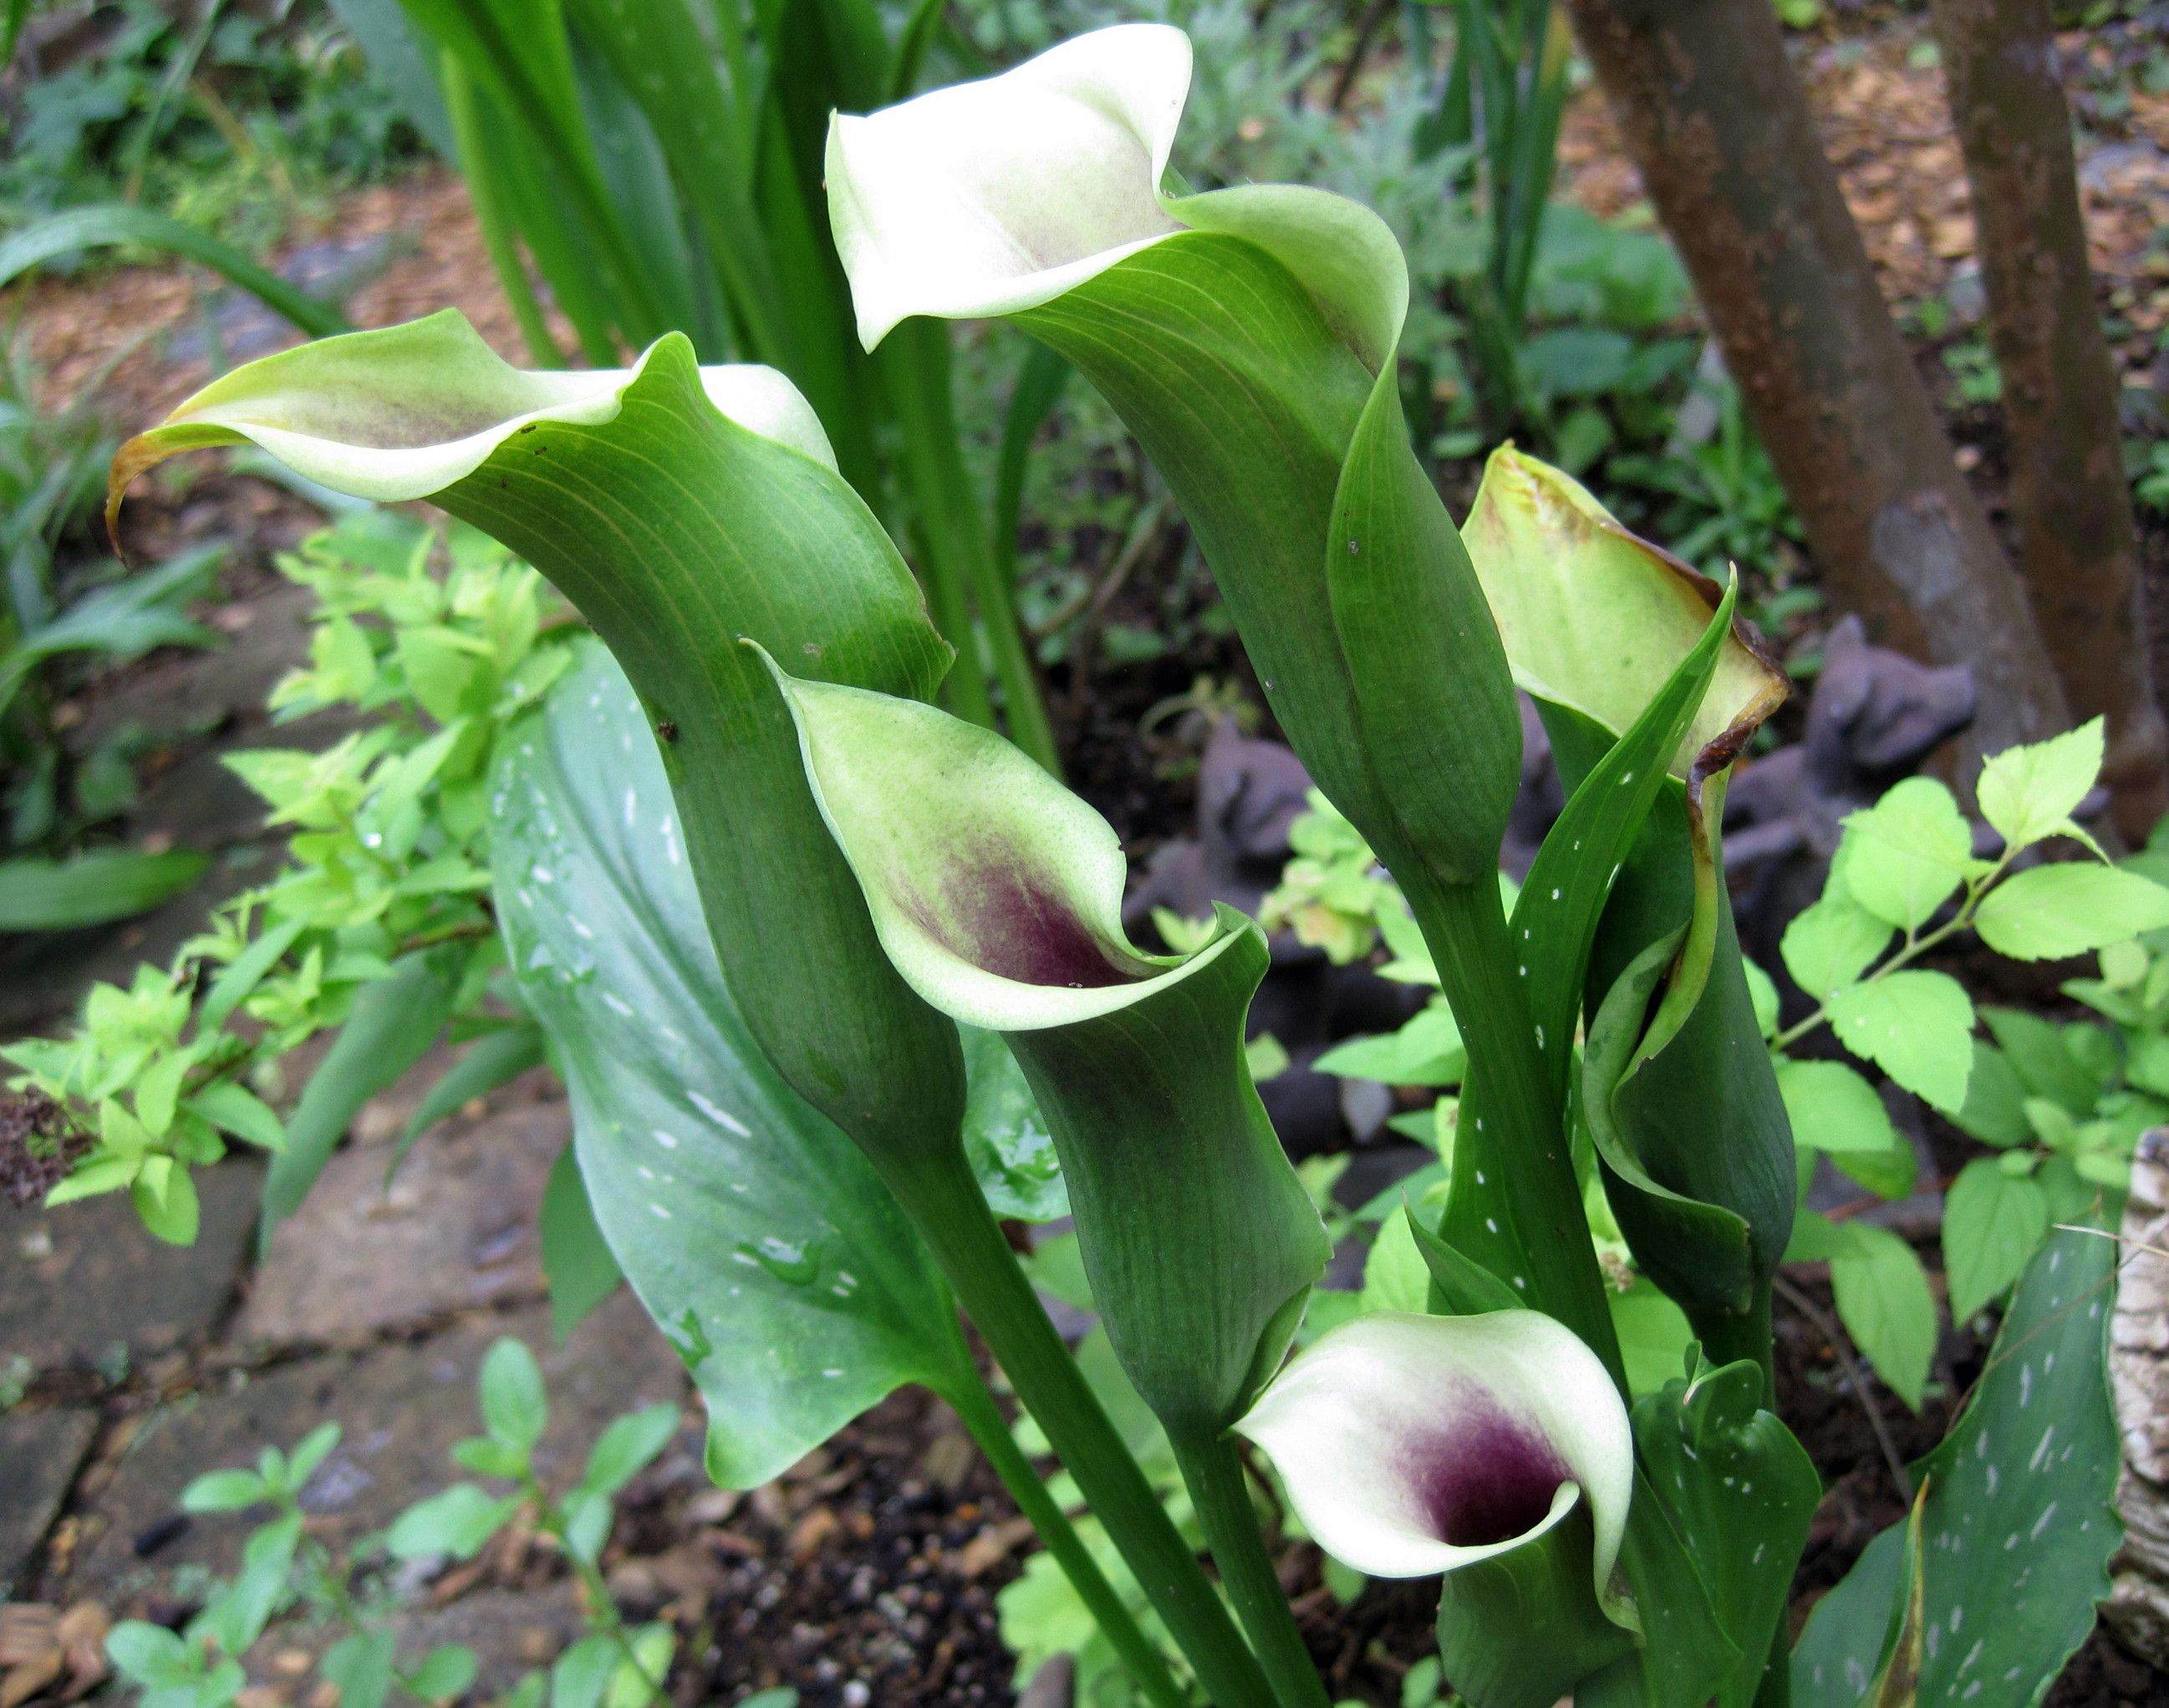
{"x":287,"y":1571}
{"x":62,"y":608}
{"x":379,"y":925}
{"x":1720,"y":503}
{"x":1974,"y":372}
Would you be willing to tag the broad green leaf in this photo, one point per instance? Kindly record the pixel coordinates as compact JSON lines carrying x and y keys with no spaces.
{"x":514,"y":1408}
{"x":237,"y":1616}
{"x":456,"y":1521}
{"x":92,"y":889}
{"x":1653,"y":1334}
{"x":1902,"y":858}
{"x":1993,"y":1221}
{"x":1005,"y":1135}
{"x":2049,"y":912}
{"x":681,"y":509}
{"x":1831,"y":944}
{"x":309,"y":1453}
{"x":1883,"y":1300}
{"x":2016,"y":1525}
{"x":1732,"y":1479}
{"x":2030,"y":792}
{"x":1833,"y":1108}
{"x":1916,"y":1026}
{"x":757,"y":1237}
{"x":165,"y":1194}
{"x":1395,"y":1276}
{"x":579,"y":1676}
{"x":390,"y":1027}
{"x":577,"y":1260}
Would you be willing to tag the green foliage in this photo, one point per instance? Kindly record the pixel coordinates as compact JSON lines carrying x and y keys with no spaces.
{"x":757,"y":1236}
{"x":233,"y":124}
{"x":377,"y":925}
{"x":2016,"y":1525}
{"x":60,"y":612}
{"x":284,"y":1569}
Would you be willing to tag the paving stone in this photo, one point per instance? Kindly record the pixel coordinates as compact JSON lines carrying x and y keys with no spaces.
{"x":39,"y":1454}
{"x":400,"y":1407}
{"x":457,"y":1229}
{"x":78,"y":1281}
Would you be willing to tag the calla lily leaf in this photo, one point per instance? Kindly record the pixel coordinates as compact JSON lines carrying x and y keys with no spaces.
{"x":1732,"y":1476}
{"x":757,"y":1236}
{"x":1490,"y":1217}
{"x":680,"y":508}
{"x":998,"y":893}
{"x":1247,"y":336}
{"x":2016,"y":1524}
{"x":1493,"y":1449}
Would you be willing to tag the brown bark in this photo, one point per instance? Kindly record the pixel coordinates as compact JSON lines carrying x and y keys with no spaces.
{"x":1719,"y":126}
{"x":2078,"y":543}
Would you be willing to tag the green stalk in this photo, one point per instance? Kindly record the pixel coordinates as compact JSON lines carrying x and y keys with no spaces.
{"x":1507,"y":1082}
{"x":1730,"y":1336}
{"x":943,"y":1199}
{"x":916,"y":357}
{"x":1147,"y":1666}
{"x":1221,"y":1496}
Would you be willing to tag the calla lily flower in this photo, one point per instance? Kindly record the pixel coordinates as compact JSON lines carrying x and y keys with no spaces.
{"x":1247,"y":335}
{"x":1414,"y":1445}
{"x":680,"y":507}
{"x":997,"y":894}
{"x":406,"y":411}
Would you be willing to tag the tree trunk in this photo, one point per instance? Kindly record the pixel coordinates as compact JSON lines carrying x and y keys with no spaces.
{"x":1719,"y":126}
{"x":2078,"y":544}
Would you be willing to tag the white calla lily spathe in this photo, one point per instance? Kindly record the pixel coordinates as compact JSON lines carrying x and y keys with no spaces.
{"x":407,"y":411}
{"x":996,"y":891}
{"x":999,"y":195}
{"x":995,"y":197}
{"x":1413,"y":1444}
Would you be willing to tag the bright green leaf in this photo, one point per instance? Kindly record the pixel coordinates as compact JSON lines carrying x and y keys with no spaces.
{"x":1833,"y":1108}
{"x":2049,"y":912}
{"x":1883,"y":1300}
{"x":1916,"y":1026}
{"x":1831,"y":943}
{"x":1902,"y":858}
{"x":2030,"y":792}
{"x":1993,"y":1221}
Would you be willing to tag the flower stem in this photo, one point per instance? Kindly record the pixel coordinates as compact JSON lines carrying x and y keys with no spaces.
{"x":943,"y":1199}
{"x":1221,"y":1495}
{"x":1508,"y":1082}
{"x":1148,"y":1667}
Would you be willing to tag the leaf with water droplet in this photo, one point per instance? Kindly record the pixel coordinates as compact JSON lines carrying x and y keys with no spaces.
{"x":652,"y":1049}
